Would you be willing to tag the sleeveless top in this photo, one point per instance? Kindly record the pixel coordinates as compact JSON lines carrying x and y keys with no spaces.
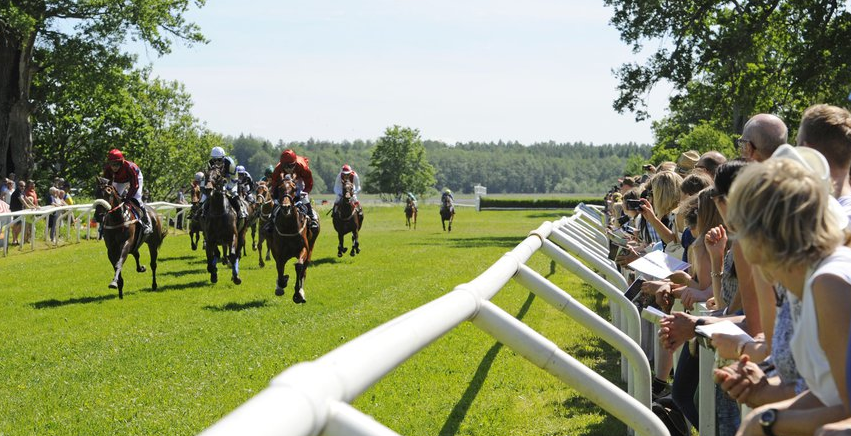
{"x":729,"y":281}
{"x":809,"y":355}
{"x":781,"y":353}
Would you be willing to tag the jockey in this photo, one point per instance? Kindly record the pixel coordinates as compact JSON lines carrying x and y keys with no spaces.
{"x":126,"y":178}
{"x":267,"y":174}
{"x":412,"y":199}
{"x":228,"y":170}
{"x":347,"y":174}
{"x":447,"y":193}
{"x":245,"y":184}
{"x":299,"y":168}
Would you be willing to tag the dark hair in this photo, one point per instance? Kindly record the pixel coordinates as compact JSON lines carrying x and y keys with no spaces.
{"x":725,"y":174}
{"x":695,"y":182}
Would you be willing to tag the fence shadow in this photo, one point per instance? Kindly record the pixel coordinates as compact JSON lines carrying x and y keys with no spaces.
{"x":237,"y":307}
{"x":179,"y":286}
{"x":456,"y":416}
{"x":186,"y":257}
{"x":489,"y":241}
{"x":51,"y":303}
{"x":180,"y":273}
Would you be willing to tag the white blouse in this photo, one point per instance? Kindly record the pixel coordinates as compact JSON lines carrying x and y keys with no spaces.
{"x":806,"y":349}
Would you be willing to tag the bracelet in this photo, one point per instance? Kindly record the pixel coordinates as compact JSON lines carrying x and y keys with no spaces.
{"x":741,"y":348}
{"x":718,"y":274}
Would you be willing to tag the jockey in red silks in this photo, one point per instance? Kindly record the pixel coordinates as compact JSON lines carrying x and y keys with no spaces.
{"x":126,"y":178}
{"x":299,"y":168}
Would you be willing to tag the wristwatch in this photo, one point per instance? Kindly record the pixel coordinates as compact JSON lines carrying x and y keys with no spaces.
{"x":767,"y":420}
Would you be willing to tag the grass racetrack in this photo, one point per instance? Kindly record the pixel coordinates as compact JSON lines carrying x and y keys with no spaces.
{"x":76,"y":360}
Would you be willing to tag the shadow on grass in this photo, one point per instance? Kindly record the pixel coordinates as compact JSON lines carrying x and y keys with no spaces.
{"x":554,"y":215}
{"x":237,"y":307}
{"x":187,"y":257}
{"x":180,"y":286}
{"x":579,"y":405}
{"x":180,"y":273}
{"x":47,"y":304}
{"x":488,"y":241}
{"x":322,"y":261}
{"x":456,"y":417}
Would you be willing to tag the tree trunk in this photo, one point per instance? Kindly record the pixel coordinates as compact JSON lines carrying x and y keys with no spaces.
{"x":15,"y":128}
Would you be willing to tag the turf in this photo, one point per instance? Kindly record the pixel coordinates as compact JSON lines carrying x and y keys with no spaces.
{"x":74,"y":359}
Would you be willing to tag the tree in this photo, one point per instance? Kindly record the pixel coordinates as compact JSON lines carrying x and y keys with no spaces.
{"x":30,"y":30}
{"x":728,"y":60}
{"x":399,"y":164}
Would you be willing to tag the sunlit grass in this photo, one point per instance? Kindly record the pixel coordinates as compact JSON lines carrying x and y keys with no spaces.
{"x":74,"y":359}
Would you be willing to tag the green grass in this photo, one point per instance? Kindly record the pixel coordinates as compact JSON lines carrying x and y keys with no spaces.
{"x":74,"y":359}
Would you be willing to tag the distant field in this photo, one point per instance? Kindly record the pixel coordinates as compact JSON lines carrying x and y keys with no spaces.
{"x":77,"y":360}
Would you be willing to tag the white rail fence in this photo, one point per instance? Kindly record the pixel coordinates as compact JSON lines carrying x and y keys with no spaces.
{"x":68,"y":219}
{"x":312,"y":398}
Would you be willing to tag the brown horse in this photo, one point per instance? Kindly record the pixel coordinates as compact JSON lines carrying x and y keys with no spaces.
{"x":291,"y":238}
{"x":447,"y":212}
{"x":264,"y":205}
{"x":194,"y":226}
{"x":411,"y":214}
{"x":221,"y":228}
{"x":348,"y":218}
{"x":122,"y":233}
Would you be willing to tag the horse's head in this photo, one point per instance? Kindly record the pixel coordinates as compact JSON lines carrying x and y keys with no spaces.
{"x":348,"y":190}
{"x":106,"y":198}
{"x":286,"y":191}
{"x":215,"y":179}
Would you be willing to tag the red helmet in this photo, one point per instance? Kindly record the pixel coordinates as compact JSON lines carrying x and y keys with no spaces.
{"x":288,"y":156}
{"x":114,"y":155}
{"x":347,"y":169}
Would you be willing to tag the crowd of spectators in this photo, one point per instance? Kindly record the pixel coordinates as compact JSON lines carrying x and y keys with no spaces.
{"x":766,"y":236}
{"x":19,"y":195}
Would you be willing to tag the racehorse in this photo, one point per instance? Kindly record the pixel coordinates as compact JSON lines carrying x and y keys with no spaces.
{"x":194,"y":226}
{"x":411,"y":214}
{"x":348,"y":218}
{"x":291,"y":238}
{"x":122,"y":233}
{"x":221,"y":227}
{"x":264,"y":205}
{"x":447,"y":213}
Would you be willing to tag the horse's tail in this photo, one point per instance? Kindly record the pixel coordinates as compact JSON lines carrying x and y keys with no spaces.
{"x":102,"y":203}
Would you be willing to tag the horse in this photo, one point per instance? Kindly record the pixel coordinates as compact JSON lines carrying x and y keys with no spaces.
{"x":194,"y":227}
{"x":221,"y":228}
{"x":264,"y":206}
{"x":447,"y":213}
{"x":291,"y":238}
{"x":411,"y":214}
{"x":348,"y":218}
{"x":123,"y":235}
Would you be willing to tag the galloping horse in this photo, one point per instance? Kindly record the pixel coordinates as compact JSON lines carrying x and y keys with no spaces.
{"x":122,"y":233}
{"x":221,"y":227}
{"x":292,"y":238}
{"x":447,"y":213}
{"x":264,"y":205}
{"x":411,"y":214}
{"x":348,"y":218}
{"x":194,"y":226}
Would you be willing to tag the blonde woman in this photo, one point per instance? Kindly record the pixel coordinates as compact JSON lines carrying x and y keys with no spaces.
{"x":665,"y":196}
{"x":780,"y":215}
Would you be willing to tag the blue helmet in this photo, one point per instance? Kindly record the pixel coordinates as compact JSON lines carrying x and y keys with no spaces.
{"x":240,"y":169}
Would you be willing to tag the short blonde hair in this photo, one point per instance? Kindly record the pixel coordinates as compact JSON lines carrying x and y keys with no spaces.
{"x":782,"y":207}
{"x":666,"y":192}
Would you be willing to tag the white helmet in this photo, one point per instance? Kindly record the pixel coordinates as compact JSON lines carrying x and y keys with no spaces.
{"x":199,"y":176}
{"x":240,"y":169}
{"x":217,"y":153}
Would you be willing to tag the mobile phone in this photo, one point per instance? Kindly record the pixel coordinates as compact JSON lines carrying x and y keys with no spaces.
{"x":634,"y":290}
{"x":633,"y":204}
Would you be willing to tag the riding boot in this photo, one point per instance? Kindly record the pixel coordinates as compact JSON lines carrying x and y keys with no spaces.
{"x":313,"y":219}
{"x":145,"y":220}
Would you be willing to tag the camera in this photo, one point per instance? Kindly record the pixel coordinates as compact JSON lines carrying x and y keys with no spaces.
{"x":623,"y":220}
{"x":633,"y":204}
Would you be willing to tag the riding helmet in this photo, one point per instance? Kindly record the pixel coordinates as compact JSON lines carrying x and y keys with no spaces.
{"x":114,"y":155}
{"x":217,"y":153}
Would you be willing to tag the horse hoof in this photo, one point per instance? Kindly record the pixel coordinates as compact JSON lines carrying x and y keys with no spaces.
{"x":298,"y":297}
{"x":279,"y":291}
{"x":214,"y":278}
{"x":113,"y":285}
{"x":339,"y":254}
{"x":237,"y":281}
{"x":353,"y":253}
{"x":154,"y":287}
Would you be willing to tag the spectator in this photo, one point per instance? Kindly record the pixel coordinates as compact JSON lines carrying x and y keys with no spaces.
{"x":4,"y":208}
{"x":803,"y":251}
{"x":762,"y":134}
{"x":710,"y":161}
{"x":30,"y":196}
{"x":827,"y":129}
{"x":16,"y":204}
{"x":686,"y":162}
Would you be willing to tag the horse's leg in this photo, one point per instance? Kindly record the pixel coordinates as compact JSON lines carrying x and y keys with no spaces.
{"x":125,"y":250}
{"x":114,"y":255}
{"x":260,"y":239}
{"x":281,"y":283}
{"x":451,"y":218}
{"x":355,"y":245}
{"x":300,"y":270}
{"x":139,"y":267}
{"x":192,"y":242}
{"x":340,"y":248}
{"x":240,"y":243}
{"x":212,"y":258}
{"x":253,"y":235}
{"x":152,"y":246}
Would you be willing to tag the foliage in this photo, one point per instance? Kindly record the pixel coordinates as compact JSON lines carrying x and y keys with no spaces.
{"x":728,"y":60}
{"x":79,"y":361}
{"x":399,"y":165}
{"x":536,"y":203}
{"x":702,"y":138}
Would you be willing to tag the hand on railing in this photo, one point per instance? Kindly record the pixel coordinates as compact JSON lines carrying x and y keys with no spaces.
{"x":676,"y":329}
{"x":743,"y":381}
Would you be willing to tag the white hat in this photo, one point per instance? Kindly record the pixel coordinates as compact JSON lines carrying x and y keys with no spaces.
{"x":814,"y":161}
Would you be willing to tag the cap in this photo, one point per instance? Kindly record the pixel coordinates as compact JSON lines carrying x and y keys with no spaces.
{"x":288,"y":156}
{"x":814,"y":161}
{"x":347,"y":169}
{"x":114,"y":155}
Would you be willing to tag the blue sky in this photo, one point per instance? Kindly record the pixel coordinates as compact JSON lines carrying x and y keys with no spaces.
{"x":473,"y":70}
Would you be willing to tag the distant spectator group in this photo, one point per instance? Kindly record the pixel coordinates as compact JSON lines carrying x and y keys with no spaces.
{"x":766,"y":235}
